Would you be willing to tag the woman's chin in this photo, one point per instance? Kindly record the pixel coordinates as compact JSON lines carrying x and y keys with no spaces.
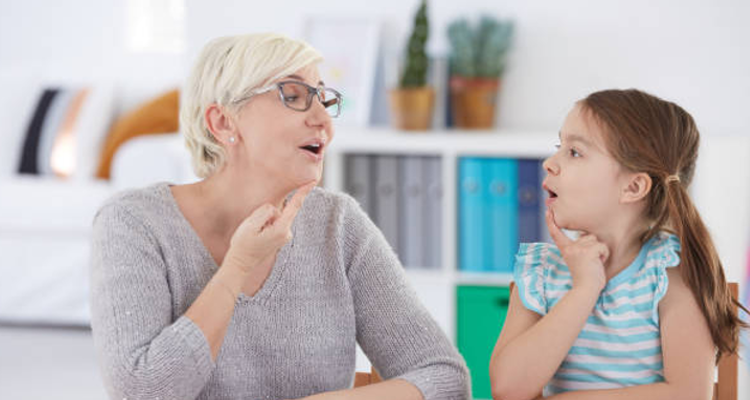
{"x":308,"y":176}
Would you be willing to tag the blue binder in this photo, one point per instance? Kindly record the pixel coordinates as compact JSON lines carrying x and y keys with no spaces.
{"x":529,"y":191}
{"x":543,"y":230}
{"x":502,"y":209}
{"x":471,"y":253}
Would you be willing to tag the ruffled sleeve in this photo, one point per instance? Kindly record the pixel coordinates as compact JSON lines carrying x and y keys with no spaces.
{"x":664,"y":253}
{"x":529,"y":275}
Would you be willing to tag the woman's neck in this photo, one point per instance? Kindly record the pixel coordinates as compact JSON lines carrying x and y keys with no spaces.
{"x":229,"y":198}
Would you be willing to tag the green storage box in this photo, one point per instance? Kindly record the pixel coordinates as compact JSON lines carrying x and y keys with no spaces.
{"x":480,"y":316}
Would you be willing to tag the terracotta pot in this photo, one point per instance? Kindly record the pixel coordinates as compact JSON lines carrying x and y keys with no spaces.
{"x":411,"y":108}
{"x":473,"y":102}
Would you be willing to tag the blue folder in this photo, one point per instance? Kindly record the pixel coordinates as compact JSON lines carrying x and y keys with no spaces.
{"x":471,"y":252}
{"x":529,"y":195}
{"x":501,"y":226}
{"x":543,"y":230}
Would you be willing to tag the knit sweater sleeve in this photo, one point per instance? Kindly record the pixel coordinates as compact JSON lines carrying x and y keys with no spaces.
{"x":143,"y":352}
{"x":394,"y":329}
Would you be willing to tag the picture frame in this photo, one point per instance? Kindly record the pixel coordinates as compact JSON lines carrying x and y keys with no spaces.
{"x":350,"y":50}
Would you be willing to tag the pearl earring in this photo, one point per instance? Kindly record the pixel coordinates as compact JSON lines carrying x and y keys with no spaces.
{"x":231,"y":139}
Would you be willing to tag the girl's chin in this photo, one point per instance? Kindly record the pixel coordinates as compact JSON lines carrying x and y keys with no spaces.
{"x":564,"y":223}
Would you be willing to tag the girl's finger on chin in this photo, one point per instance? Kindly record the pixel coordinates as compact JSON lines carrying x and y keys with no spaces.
{"x":605,"y":252}
{"x":554,"y":230}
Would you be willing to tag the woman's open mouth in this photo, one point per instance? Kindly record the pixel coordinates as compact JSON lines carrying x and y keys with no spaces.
{"x":313,"y":148}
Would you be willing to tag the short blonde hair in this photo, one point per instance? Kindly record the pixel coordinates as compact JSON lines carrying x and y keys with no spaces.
{"x":227,"y":70}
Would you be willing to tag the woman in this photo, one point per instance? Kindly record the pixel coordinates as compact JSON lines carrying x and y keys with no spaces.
{"x":233,"y":288}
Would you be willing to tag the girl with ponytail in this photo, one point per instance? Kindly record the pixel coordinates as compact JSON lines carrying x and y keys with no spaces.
{"x":637,"y":306}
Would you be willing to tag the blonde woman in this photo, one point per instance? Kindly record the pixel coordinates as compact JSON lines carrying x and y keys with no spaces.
{"x":251,"y":283}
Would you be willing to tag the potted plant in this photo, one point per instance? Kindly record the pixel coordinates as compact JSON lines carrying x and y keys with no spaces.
{"x":412,"y":102}
{"x":477,"y":61}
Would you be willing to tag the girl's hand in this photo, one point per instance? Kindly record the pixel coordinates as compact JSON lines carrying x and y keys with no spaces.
{"x":585,"y":257}
{"x":261,"y":235}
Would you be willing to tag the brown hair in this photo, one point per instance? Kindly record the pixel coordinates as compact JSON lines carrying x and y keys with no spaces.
{"x":651,"y":135}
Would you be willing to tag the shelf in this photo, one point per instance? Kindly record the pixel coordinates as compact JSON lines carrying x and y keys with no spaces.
{"x":437,"y":288}
{"x":495,"y":143}
{"x":484,"y":278}
{"x":435,"y":275}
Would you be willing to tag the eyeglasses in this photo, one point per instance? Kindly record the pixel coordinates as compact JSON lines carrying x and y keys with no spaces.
{"x":298,"y":96}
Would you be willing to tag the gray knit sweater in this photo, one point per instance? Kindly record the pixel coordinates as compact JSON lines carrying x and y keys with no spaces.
{"x":335,"y":284}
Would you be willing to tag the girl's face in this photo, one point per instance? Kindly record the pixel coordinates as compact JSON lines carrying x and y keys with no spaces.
{"x":584,"y":182}
{"x":282,"y":143}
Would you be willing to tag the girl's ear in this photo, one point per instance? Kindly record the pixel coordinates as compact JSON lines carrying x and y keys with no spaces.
{"x":636,"y":188}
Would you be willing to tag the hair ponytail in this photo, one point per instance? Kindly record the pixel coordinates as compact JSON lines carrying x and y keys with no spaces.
{"x":702,"y":270}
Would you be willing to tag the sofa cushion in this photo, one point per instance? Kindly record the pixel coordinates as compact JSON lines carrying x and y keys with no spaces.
{"x":50,"y":138}
{"x":148,"y":159}
{"x":157,"y":116}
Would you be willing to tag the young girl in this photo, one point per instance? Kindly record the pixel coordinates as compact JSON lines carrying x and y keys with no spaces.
{"x":637,"y":306}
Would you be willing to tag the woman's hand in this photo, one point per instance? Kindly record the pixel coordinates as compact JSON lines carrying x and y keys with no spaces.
{"x":584,"y":257}
{"x":261,"y":235}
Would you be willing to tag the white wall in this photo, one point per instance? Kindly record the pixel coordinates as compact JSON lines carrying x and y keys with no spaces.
{"x":80,"y":42}
{"x":694,"y":52}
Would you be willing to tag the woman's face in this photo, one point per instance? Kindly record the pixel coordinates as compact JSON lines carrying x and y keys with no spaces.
{"x":280,"y":142}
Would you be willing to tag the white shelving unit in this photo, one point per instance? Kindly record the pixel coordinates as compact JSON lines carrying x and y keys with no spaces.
{"x":437,"y":288}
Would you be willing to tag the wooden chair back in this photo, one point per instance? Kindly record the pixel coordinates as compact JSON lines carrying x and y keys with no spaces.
{"x":726,"y":380}
{"x":364,"y":378}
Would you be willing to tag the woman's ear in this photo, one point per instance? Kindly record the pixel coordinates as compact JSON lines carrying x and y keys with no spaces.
{"x":220,"y":124}
{"x":637,"y":188}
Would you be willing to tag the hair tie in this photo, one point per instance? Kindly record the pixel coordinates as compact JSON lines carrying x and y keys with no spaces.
{"x":672,"y":178}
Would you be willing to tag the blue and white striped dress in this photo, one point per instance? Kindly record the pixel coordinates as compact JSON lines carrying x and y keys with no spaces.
{"x":621,"y":343}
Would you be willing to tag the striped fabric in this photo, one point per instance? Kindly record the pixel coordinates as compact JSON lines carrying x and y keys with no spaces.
{"x":620,"y":345}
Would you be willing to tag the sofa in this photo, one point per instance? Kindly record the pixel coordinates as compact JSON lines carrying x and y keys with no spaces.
{"x":45,"y":228}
